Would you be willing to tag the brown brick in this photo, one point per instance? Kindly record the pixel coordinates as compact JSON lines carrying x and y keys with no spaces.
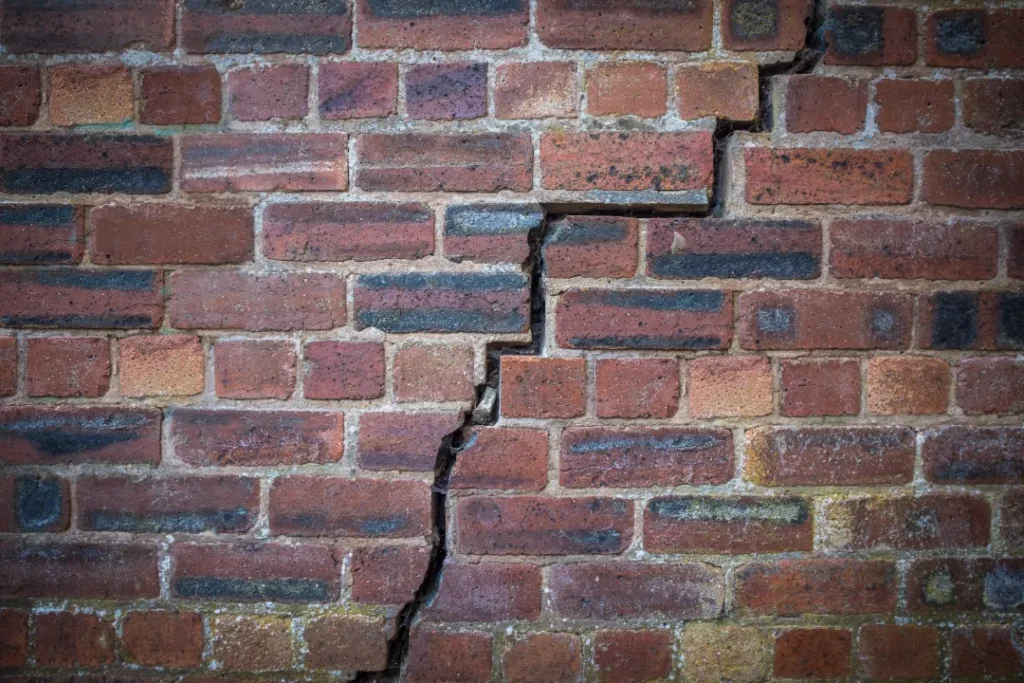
{"x":68,"y":366}
{"x":81,"y":93}
{"x":974,"y":178}
{"x":173,"y":95}
{"x":825,"y":103}
{"x":248,"y":369}
{"x":891,"y":651}
{"x":404,"y":441}
{"x":623,"y":656}
{"x":486,"y":592}
{"x":164,"y":365}
{"x":962,"y":454}
{"x":70,"y":640}
{"x":604,"y":25}
{"x":434,"y":373}
{"x":907,"y":385}
{"x":109,"y":25}
{"x":252,"y":643}
{"x":816,"y":586}
{"x":1012,"y":526}
{"x":812,"y":653}
{"x":992,"y":106}
{"x":78,"y":570}
{"x":41,"y":234}
{"x":908,"y":106}
{"x":724,"y":90}
{"x":814,"y":388}
{"x":751,"y":25}
{"x":627,"y":88}
{"x":170,"y":639}
{"x":351,"y":643}
{"x":990,"y":386}
{"x":344,"y":370}
{"x":388,"y":575}
{"x":729,"y":386}
{"x":712,"y":653}
{"x":591,"y":246}
{"x":505,"y":458}
{"x":925,"y":522}
{"x":543,"y":387}
{"x":442,"y":26}
{"x":974,"y":38}
{"x":53,"y":435}
{"x":263,"y":93}
{"x":285,"y":26}
{"x":13,"y":638}
{"x":985,"y":651}
{"x":535,"y":90}
{"x":435,"y":656}
{"x":447,"y":91}
{"x":543,"y":658}
{"x":637,"y":387}
{"x":21,"y":94}
{"x":353,"y":90}
{"x":8,"y":366}
{"x":871,"y":36}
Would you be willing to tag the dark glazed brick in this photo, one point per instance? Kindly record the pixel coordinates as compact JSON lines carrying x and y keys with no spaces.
{"x":486,"y":592}
{"x":626,"y":24}
{"x":954,"y":320}
{"x":266,"y":26}
{"x":975,"y":38}
{"x":957,"y":454}
{"x":180,"y":94}
{"x":972,"y":320}
{"x":78,"y":570}
{"x":443,"y":24}
{"x":591,"y":246}
{"x":87,"y":25}
{"x":354,"y":90}
{"x":38,"y":234}
{"x":42,"y":504}
{"x":490,"y":233}
{"x":446,"y":91}
{"x":20,"y":95}
{"x":958,"y":33}
{"x":50,"y":436}
{"x":765,"y":24}
{"x":41,"y":164}
{"x":871,"y":36}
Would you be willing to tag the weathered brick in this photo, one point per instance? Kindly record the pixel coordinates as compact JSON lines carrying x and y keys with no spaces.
{"x":626,"y":161}
{"x":816,"y":586}
{"x":404,"y":441}
{"x":631,"y":25}
{"x":254,"y":369}
{"x":907,"y":385}
{"x":974,"y":178}
{"x":812,"y":653}
{"x":161,"y":365}
{"x":69,"y":640}
{"x":256,"y":572}
{"x":365,"y":508}
{"x":228,"y":299}
{"x":158,"y":505}
{"x":448,"y":91}
{"x":691,"y":524}
{"x":78,"y":570}
{"x":419,"y":162}
{"x":1012,"y":525}
{"x":729,"y":386}
{"x":627,"y":89}
{"x":971,"y":320}
{"x":90,"y":93}
{"x":637,"y":387}
{"x":345,"y":642}
{"x":962,"y":454}
{"x":505,"y":458}
{"x":806,"y":319}
{"x":172,"y":95}
{"x":535,"y":90}
{"x":388,"y":575}
{"x":13,"y":638}
{"x":990,"y":386}
{"x":908,"y":106}
{"x":644,"y":457}
{"x":106,"y":25}
{"x":871,"y":36}
{"x":352,"y":90}
{"x":985,"y":651}
{"x":68,"y":366}
{"x":627,"y":590}
{"x":265,"y":26}
{"x":713,"y":653}
{"x":21,"y":94}
{"x":828,"y":176}
{"x":892,"y":651}
{"x":924,"y":522}
{"x":41,"y":234}
{"x":43,"y":435}
{"x":543,"y":387}
{"x":539,"y":525}
{"x":956,"y":585}
{"x":750,"y":25}
{"x":34,"y":504}
{"x":263,"y":93}
{"x":166,"y":639}
{"x":204,"y":437}
{"x":543,"y":658}
{"x":992,"y":106}
{"x":974,"y":38}
{"x":814,"y":388}
{"x":724,"y":90}
{"x":343,"y":370}
{"x":435,"y":656}
{"x":490,"y":233}
{"x":591,"y":246}
{"x":40,"y":163}
{"x":623,"y":656}
{"x":494,"y":302}
{"x":252,"y":643}
{"x":693,"y":248}
{"x":8,"y":365}
{"x":434,"y":373}
{"x":825,"y":103}
{"x":256,"y":162}
{"x":443,"y":24}
{"x":829,"y":456}
{"x":486,"y":592}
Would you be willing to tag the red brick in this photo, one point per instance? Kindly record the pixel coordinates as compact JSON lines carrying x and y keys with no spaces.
{"x":908,"y":106}
{"x":262,"y":93}
{"x":891,"y":651}
{"x":829,"y":456}
{"x":204,"y":437}
{"x":109,"y":25}
{"x":985,"y":651}
{"x":352,"y":90}
{"x":970,"y":320}
{"x":442,"y":26}
{"x":248,"y":369}
{"x":604,"y":25}
{"x":543,"y":387}
{"x":825,"y":103}
{"x":256,"y":572}
{"x":627,"y":88}
{"x":807,"y":319}
{"x":637,"y":387}
{"x":419,"y":162}
{"x":540,"y":525}
{"x":362,"y":508}
{"x":535,"y":90}
{"x":812,"y":653}
{"x":257,"y":162}
{"x":229,"y":299}
{"x":815,"y":388}
{"x":975,"y":38}
{"x":816,"y":586}
{"x":286,"y":26}
{"x":35,"y":504}
{"x":346,"y":642}
{"x":435,"y":656}
{"x":21,"y":94}
{"x":161,"y":365}
{"x":344,"y":370}
{"x":172,"y":95}
{"x":992,"y":106}
{"x":829,"y":176}
{"x":990,"y":386}
{"x":924,"y":523}
{"x":154,"y":505}
{"x":171,"y":639}
{"x":724,"y":90}
{"x":591,"y":246}
{"x":78,"y":570}
{"x":13,"y":638}
{"x":774,"y":25}
{"x":944,"y":585}
{"x":404,"y":441}
{"x":962,"y":454}
{"x":729,"y":386}
{"x":644,"y":457}
{"x":388,"y":575}
{"x":8,"y":366}
{"x":252,"y":643}
{"x":1012,"y":526}
{"x":40,"y":234}
{"x":486,"y":592}
{"x":70,"y":640}
{"x":629,"y":590}
{"x":543,"y":658}
{"x":505,"y":458}
{"x":434,"y":373}
{"x":447,"y":91}
{"x":871,"y":36}
{"x":632,"y":656}
{"x":626,"y":161}
{"x":490,"y":233}
{"x":974,"y":178}
{"x":171,"y":233}
{"x":46,"y":435}
{"x":68,"y":366}
{"x":907,"y":385}
{"x":691,"y":524}
{"x":90,"y":93}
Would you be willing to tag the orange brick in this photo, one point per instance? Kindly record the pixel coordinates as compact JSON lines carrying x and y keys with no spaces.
{"x":169,"y":639}
{"x":899,"y":385}
{"x":434,"y":373}
{"x":90,"y":94}
{"x":244,"y":643}
{"x":637,"y":387}
{"x":619,"y":88}
{"x":169,"y":365}
{"x":724,"y":90}
{"x":730,"y":386}
{"x":543,"y":387}
{"x":537,"y":90}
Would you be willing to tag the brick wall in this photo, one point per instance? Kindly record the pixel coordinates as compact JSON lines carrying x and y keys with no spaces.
{"x":525,"y":340}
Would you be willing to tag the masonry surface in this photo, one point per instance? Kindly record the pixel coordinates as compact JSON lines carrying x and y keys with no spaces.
{"x":511,"y":340}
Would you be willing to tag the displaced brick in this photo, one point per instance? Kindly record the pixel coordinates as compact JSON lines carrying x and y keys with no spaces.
{"x":543,"y":658}
{"x":266,"y":27}
{"x":404,"y":441}
{"x":343,"y":370}
{"x":985,"y":651}
{"x":907,"y":385}
{"x":724,"y":90}
{"x":490,"y":233}
{"x":974,"y":38}
{"x":815,"y":388}
{"x":352,"y":90}
{"x":816,"y":586}
{"x":925,"y":522}
{"x":435,"y":655}
{"x":90,"y":93}
{"x":812,"y":653}
{"x":172,"y":95}
{"x":823,"y":103}
{"x":871,"y":36}
{"x":486,"y":592}
{"x":892,"y":651}
{"x":992,"y":106}
{"x":591,"y":246}
{"x":535,"y":90}
{"x":506,"y":458}
{"x":974,"y":178}
{"x":254,"y":369}
{"x":35,"y":504}
{"x":44,"y":435}
{"x":67,"y":640}
{"x":443,"y":25}
{"x":627,"y":88}
{"x":730,"y":386}
{"x":351,"y":643}
{"x":962,"y":454}
{"x":637,"y":387}
{"x":750,"y":25}
{"x":990,"y":386}
{"x":107,"y":25}
{"x":388,"y":575}
{"x":543,"y":387}
{"x":21,"y":94}
{"x":164,"y":365}
{"x":78,"y":570}
{"x":68,"y":366}
{"x":262,"y":93}
{"x":41,"y":234}
{"x":602,"y":25}
{"x":971,"y":320}
{"x":449,"y":91}
{"x":909,"y":106}
{"x":622,"y":656}
{"x":170,"y":639}
{"x":712,"y":653}
{"x":252,"y":643}
{"x":13,"y":638}
{"x":434,"y":373}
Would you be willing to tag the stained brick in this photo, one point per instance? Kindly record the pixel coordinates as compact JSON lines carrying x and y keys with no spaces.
{"x":926,"y":522}
{"x":388,"y":574}
{"x":35,"y":504}
{"x":161,"y":365}
{"x":535,"y":90}
{"x":351,"y":90}
{"x":812,"y":653}
{"x":171,"y":639}
{"x":627,"y":88}
{"x":908,"y":106}
{"x":351,"y":643}
{"x":823,"y":103}
{"x":78,"y":570}
{"x":435,"y":655}
{"x":974,"y":38}
{"x":404,"y":441}
{"x":107,"y":25}
{"x":486,"y":592}
{"x":907,"y":385}
{"x":68,"y":366}
{"x":591,"y":246}
{"x":255,"y":162}
{"x":173,"y":95}
{"x":621,"y":656}
{"x":987,"y":386}
{"x":343,"y":370}
{"x":543,"y":658}
{"x":543,"y":387}
{"x":21,"y":94}
{"x":90,"y":93}
{"x":637,"y":387}
{"x":265,"y":26}
{"x":55,"y":435}
{"x":816,"y":586}
{"x":68,"y":640}
{"x":891,"y":651}
{"x":992,"y":106}
{"x":962,"y":454}
{"x":724,"y":90}
{"x":630,"y":25}
{"x":41,"y":234}
{"x":974,"y":178}
{"x":434,"y":373}
{"x":448,"y":91}
{"x":730,"y":386}
{"x":262,"y":93}
{"x":490,"y":233}
{"x":750,"y":25}
{"x":871,"y":36}
{"x":254,"y":369}
{"x":971,"y":320}
{"x":505,"y":458}
{"x":443,"y":24}
{"x":961,"y":586}
{"x":820,"y":387}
